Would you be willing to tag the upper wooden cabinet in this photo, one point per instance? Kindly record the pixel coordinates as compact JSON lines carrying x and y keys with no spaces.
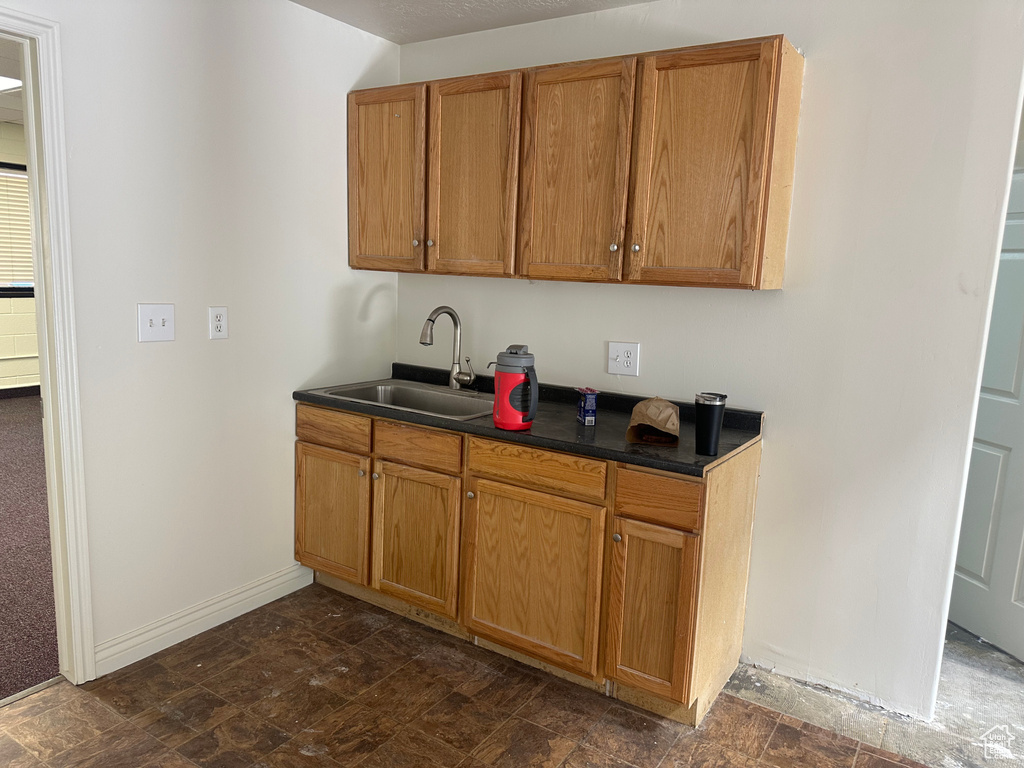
{"x":713,"y":164}
{"x":474,"y":165}
{"x":674,"y":168}
{"x":386,"y":166}
{"x":460,"y":216}
{"x":576,"y":136}
{"x":680,"y":161}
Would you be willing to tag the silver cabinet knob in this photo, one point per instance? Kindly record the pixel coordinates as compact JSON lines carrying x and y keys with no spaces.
{"x":430,"y":243}
{"x":616,"y":537}
{"x":636,"y":247}
{"x":375,"y":476}
{"x":470,"y":495}
{"x":613,"y":247}
{"x":415,"y":243}
{"x":362,"y":473}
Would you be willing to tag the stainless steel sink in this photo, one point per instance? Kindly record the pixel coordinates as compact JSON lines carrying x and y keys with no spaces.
{"x":430,"y":399}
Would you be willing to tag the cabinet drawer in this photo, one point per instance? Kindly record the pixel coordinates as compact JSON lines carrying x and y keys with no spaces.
{"x":419,"y":447}
{"x":332,"y":428}
{"x":535,"y":468}
{"x":658,"y":499}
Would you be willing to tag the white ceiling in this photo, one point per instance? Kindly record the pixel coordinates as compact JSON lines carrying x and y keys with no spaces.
{"x":412,"y":21}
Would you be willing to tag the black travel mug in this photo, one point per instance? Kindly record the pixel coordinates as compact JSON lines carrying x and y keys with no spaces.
{"x":710,"y":407}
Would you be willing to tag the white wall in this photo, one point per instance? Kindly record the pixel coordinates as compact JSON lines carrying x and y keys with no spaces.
{"x":866,"y":363}
{"x":206,"y":160}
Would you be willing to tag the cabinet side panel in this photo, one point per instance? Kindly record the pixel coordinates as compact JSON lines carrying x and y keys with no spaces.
{"x":783,"y":166}
{"x":725,"y":560}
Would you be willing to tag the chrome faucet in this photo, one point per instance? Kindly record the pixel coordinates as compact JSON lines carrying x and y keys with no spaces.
{"x":458,"y":377}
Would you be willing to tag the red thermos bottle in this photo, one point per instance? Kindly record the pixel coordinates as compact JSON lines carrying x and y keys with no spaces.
{"x":515,"y":388}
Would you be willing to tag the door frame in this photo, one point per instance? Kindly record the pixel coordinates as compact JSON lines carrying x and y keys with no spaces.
{"x":55,"y":322}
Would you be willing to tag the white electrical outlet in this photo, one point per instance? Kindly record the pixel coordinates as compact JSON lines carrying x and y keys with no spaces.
{"x":218,"y":322}
{"x":156,"y":322}
{"x":624,"y":358}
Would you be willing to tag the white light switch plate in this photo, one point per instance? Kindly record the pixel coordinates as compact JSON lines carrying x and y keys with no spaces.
{"x":624,"y":358}
{"x":156,"y":322}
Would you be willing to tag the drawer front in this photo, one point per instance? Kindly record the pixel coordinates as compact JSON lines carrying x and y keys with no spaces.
{"x":658,"y":499}
{"x":561,"y":473}
{"x":332,"y":428}
{"x":419,"y":447}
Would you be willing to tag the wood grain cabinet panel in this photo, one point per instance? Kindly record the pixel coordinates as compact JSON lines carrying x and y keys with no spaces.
{"x":577,"y":122}
{"x":474,"y":168}
{"x":561,"y":473}
{"x":429,"y":448}
{"x":386,"y":177}
{"x":674,"y":167}
{"x":658,"y":499}
{"x":323,"y":426}
{"x":416,"y":536}
{"x":652,"y":593}
{"x":332,"y":511}
{"x":708,"y":140}
{"x":532,"y":573}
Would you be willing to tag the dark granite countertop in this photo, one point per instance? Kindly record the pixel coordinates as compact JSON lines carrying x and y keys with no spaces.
{"x":555,"y":426}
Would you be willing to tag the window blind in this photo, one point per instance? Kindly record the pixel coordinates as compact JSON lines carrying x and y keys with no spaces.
{"x":15,"y":230}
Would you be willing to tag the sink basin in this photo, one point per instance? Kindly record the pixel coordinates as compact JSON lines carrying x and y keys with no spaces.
{"x":430,"y":399}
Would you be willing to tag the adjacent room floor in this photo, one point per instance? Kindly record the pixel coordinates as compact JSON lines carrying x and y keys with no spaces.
{"x":980,"y":703}
{"x":321,"y":679}
{"x":28,"y":631}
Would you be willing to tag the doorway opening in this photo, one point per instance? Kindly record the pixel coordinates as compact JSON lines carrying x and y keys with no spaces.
{"x":28,"y":643}
{"x":36,"y":43}
{"x":981,"y":686}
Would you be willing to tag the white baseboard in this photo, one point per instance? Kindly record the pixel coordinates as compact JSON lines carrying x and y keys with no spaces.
{"x":128,"y":648}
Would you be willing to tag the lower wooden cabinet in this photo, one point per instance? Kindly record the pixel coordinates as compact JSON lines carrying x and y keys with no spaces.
{"x":652,"y":590}
{"x":416,"y":536}
{"x":532,"y":573}
{"x":511,"y":542}
{"x":332,"y":511}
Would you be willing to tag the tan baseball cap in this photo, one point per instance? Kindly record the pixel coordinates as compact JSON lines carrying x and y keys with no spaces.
{"x":654,"y":421}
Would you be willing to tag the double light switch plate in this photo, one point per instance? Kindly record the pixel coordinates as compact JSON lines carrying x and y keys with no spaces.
{"x":156,"y":322}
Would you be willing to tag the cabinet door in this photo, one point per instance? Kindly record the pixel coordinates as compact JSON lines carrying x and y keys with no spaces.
{"x":332,"y":511}
{"x":576,"y":142}
{"x":532,"y":573}
{"x":386,"y":177}
{"x":416,"y":536}
{"x":474,"y":167}
{"x":652,"y":592}
{"x":699,"y":186}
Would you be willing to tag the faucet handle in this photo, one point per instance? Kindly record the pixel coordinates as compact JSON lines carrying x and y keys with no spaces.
{"x":465,"y":378}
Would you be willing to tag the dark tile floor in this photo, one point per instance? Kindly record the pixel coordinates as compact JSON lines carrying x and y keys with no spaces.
{"x":981,"y":691}
{"x":320,"y":679}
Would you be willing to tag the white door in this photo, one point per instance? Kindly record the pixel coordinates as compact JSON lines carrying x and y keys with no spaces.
{"x":988,"y":585}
